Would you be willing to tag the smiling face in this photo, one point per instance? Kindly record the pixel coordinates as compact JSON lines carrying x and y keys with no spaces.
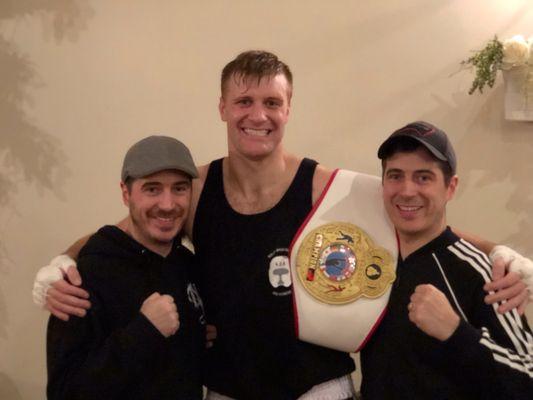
{"x":255,"y":113}
{"x":415,"y":194}
{"x":159,"y":205}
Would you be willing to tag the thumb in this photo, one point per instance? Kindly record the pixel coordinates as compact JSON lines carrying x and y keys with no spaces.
{"x":153,"y":296}
{"x":73,"y":275}
{"x":498,"y":269}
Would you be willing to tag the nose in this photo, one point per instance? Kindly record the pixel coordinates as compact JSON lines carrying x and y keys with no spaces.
{"x":408,"y":188}
{"x":166,"y":201}
{"x":257,"y":113}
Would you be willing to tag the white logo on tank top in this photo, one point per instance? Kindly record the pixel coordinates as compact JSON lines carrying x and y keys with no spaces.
{"x":279,"y":273}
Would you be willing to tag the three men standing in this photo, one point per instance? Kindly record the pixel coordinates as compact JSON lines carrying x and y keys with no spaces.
{"x":245,"y":210}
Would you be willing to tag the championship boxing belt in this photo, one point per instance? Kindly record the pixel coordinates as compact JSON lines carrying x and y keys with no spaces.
{"x":343,"y":262}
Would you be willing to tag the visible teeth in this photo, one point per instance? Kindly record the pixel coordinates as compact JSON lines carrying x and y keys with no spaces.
{"x":409,"y":208}
{"x":165,"y":219}
{"x":256,"y":132}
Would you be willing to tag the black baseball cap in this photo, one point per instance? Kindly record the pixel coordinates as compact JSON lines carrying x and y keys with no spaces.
{"x":157,"y":153}
{"x":432,"y":138}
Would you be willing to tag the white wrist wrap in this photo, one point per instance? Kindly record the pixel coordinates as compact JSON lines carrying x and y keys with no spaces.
{"x":517,"y":263}
{"x":48,"y":275}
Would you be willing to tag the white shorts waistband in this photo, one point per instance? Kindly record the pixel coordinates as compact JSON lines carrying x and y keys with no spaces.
{"x":334,"y":389}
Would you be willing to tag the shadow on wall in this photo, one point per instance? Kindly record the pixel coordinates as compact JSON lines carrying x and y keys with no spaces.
{"x":498,"y":149}
{"x":28,"y":154}
{"x":504,"y":157}
{"x":8,"y":389}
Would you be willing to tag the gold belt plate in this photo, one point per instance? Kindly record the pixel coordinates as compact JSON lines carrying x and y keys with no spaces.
{"x":338,"y":262}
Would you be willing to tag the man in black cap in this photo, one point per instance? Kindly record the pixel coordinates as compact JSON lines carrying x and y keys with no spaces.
{"x":439,"y":339}
{"x":143,"y":336}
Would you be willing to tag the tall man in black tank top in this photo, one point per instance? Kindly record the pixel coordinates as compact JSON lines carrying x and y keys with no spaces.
{"x":250,"y":205}
{"x":245,"y":210}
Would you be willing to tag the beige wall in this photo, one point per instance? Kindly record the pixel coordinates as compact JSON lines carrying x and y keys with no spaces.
{"x":82,"y":80}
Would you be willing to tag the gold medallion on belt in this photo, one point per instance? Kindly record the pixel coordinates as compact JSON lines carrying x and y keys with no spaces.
{"x":337,"y":263}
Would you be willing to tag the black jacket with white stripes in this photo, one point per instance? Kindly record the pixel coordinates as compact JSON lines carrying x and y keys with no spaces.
{"x":489,"y":355}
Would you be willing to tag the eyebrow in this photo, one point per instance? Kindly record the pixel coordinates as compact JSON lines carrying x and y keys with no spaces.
{"x":274,"y":98}
{"x":180,"y":182}
{"x":395,"y":170}
{"x":183,"y":182}
{"x":151,"y":183}
{"x":424,"y":171}
{"x":418,"y":171}
{"x":244,"y":96}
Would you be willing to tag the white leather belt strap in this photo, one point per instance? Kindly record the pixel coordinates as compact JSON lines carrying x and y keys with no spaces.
{"x":356,"y":199}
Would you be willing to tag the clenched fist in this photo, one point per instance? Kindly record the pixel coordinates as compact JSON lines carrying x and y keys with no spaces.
{"x":432,"y":313}
{"x":162,"y":313}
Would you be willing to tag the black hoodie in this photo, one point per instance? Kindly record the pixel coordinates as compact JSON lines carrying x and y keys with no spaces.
{"x":115,"y":352}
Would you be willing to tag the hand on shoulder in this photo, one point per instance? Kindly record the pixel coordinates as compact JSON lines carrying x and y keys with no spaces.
{"x":56,"y":288}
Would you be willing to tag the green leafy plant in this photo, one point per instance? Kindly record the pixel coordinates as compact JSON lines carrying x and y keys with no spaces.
{"x":487,"y":62}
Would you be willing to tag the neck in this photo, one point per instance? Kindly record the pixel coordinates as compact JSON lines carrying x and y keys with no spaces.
{"x":409,"y":243}
{"x":255,"y":185}
{"x":161,"y":248}
{"x":256,"y":172}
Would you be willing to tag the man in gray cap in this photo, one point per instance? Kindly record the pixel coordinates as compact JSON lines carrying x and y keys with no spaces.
{"x":143,"y":336}
{"x":439,"y":339}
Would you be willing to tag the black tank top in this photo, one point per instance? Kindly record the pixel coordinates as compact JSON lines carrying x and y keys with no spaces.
{"x":245,"y":283}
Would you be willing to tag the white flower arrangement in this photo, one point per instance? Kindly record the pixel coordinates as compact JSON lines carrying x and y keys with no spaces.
{"x":515,"y":52}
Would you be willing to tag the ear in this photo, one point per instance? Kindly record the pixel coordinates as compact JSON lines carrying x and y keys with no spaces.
{"x":125,"y":194}
{"x":222,"y":108}
{"x":452,"y":187}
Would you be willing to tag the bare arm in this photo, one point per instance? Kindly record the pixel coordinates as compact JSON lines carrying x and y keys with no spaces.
{"x":320,"y":180}
{"x":74,"y":248}
{"x":197,"y":186}
{"x":484,"y":245}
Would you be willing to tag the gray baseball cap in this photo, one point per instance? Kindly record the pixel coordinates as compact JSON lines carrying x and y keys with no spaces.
{"x":431,"y":137}
{"x":157,"y":153}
